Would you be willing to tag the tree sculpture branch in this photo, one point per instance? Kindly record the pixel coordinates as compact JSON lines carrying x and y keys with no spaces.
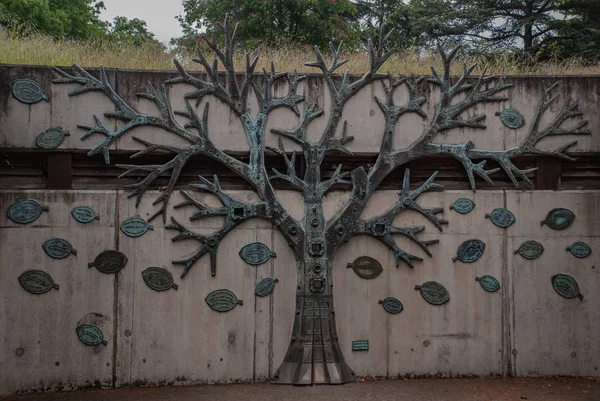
{"x":381,"y":227}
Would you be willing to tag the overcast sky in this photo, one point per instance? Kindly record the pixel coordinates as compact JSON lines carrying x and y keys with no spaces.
{"x":158,"y":14}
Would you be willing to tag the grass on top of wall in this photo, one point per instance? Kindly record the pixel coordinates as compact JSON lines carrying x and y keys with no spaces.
{"x":42,"y":50}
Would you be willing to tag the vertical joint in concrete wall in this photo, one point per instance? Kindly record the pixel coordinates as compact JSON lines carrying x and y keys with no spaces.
{"x":116,"y":298}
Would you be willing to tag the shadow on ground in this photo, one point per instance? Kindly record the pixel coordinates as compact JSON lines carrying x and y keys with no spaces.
{"x":488,"y":389}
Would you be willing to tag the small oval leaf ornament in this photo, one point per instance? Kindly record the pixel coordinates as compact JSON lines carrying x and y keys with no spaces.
{"x":37,"y":282}
{"x":27,"y":91}
{"x":135,"y":227}
{"x":109,"y":262}
{"x":469,"y":251}
{"x":58,"y":248}
{"x":366,"y":267}
{"x":265,"y":287}
{"x":580,"y":250}
{"x":530,"y":250}
{"x":222,"y":300}
{"x":392,"y":305}
{"x":511,"y":118}
{"x":158,"y":279}
{"x":501,"y":217}
{"x":559,"y":219}
{"x":566,"y":286}
{"x":463,"y":205}
{"x":433,"y":292}
{"x":256,"y":253}
{"x":488,"y":283}
{"x":84,"y":214}
{"x":51,"y":138}
{"x":90,"y":335}
{"x":25,"y":211}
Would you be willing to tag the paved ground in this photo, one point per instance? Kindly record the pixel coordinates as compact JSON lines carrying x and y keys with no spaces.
{"x":555,"y":389}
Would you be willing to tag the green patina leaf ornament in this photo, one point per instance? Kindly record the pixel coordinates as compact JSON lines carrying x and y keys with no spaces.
{"x":265,"y":287}
{"x":433,"y":292}
{"x":530,"y":250}
{"x":566,"y":286}
{"x":488,"y":283}
{"x":366,"y":267}
{"x":580,"y":250}
{"x":222,"y":300}
{"x":25,"y":211}
{"x":135,"y":227}
{"x":84,"y":214}
{"x":109,"y":262}
{"x":58,"y":248}
{"x":501,"y":217}
{"x":511,"y":118}
{"x":90,"y":335}
{"x":27,"y":91}
{"x":158,"y":279}
{"x":469,"y":251}
{"x":37,"y":282}
{"x":392,"y":305}
{"x":559,"y":219}
{"x":256,"y":253}
{"x":51,"y":138}
{"x":463,"y":205}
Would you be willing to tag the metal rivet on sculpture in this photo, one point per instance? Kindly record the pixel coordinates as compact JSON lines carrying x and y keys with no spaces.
{"x":313,"y":239}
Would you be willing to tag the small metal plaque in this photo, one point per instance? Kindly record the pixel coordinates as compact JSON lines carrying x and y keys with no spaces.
{"x":559,"y":219}
{"x":488,"y":283}
{"x":90,"y":335}
{"x":25,"y":211}
{"x":580,"y":250}
{"x":366,"y":267}
{"x":256,"y":253}
{"x":158,"y":279}
{"x":433,"y":292}
{"x":37,"y":281}
{"x":530,"y":250}
{"x":109,"y":262}
{"x":566,"y":286}
{"x":84,"y":214}
{"x":58,"y":248}
{"x":501,"y":217}
{"x":463,"y":205}
{"x":265,"y":287}
{"x":511,"y":118}
{"x":135,"y":227}
{"x":51,"y":138}
{"x":222,"y":300}
{"x":469,"y":251}
{"x":360,"y":345}
{"x":27,"y":91}
{"x":392,"y":305}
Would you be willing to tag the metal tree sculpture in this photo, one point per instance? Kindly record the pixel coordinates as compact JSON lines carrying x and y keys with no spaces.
{"x":314,"y":355}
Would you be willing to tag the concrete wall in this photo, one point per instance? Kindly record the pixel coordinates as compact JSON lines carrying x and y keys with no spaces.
{"x":21,"y":123}
{"x":174,"y":338}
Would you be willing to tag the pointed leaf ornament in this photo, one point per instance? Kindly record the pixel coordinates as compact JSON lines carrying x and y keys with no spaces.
{"x":37,"y":282}
{"x":222,"y":300}
{"x":566,"y":286}
{"x":366,"y":267}
{"x":433,"y":292}
{"x":158,"y":279}
{"x":265,"y":287}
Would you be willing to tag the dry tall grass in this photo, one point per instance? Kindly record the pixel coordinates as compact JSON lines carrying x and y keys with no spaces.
{"x":42,"y":50}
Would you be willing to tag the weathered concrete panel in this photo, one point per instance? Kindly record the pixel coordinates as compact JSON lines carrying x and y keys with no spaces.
{"x":44,"y":325}
{"x":22,"y":123}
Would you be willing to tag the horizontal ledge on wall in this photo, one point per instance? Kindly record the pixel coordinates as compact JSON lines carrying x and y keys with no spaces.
{"x":43,"y":169}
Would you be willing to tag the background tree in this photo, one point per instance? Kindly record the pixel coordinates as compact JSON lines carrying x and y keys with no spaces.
{"x":314,"y":354}
{"x":133,"y":31}
{"x":375,"y":16}
{"x":276,"y":22}
{"x":528,"y":26}
{"x":74,"y":19}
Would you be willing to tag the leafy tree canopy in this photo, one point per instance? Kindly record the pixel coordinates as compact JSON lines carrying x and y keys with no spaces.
{"x":276,"y":22}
